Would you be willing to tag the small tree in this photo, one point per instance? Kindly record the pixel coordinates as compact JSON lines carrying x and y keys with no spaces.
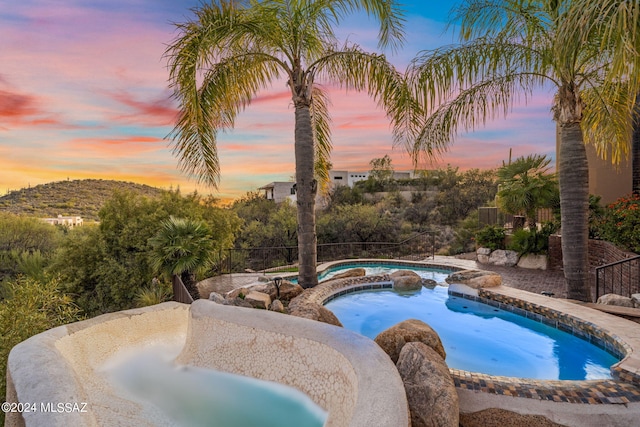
{"x":182,"y":247}
{"x":381,"y":169}
{"x":526,"y":186}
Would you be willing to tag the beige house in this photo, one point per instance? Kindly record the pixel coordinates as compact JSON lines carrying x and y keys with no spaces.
{"x":69,"y":221}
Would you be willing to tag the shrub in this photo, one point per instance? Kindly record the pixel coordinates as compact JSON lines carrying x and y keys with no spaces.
{"x":31,"y":307}
{"x":491,"y":236}
{"x":153,"y":295}
{"x":532,"y":241}
{"x":621,"y":223}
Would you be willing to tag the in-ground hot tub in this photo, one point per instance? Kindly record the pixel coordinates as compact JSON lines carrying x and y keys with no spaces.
{"x":345,"y":374}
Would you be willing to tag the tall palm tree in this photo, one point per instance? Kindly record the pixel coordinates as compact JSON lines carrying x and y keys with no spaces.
{"x":509,"y":48}
{"x":616,"y":24}
{"x":526,"y":186}
{"x":182,"y":247}
{"x":234,"y":49}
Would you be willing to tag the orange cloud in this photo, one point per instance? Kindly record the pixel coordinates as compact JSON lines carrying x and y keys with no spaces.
{"x":108,"y":147}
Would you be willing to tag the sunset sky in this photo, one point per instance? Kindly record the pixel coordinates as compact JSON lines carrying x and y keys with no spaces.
{"x":83,"y":94}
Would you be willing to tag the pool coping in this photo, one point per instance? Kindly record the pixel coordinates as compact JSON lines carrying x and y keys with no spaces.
{"x":618,"y":336}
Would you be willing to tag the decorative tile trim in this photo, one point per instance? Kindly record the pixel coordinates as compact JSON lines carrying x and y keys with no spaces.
{"x":556,"y":319}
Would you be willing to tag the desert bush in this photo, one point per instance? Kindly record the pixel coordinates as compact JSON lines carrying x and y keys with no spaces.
{"x":532,"y":241}
{"x":31,"y":307}
{"x":491,"y":236}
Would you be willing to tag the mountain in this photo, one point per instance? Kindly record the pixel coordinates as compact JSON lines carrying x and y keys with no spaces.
{"x":82,"y":197}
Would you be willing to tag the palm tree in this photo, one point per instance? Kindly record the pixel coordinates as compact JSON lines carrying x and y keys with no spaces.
{"x":509,"y":48}
{"x":526,"y":186}
{"x":616,"y":24}
{"x":182,"y":247}
{"x":233,"y":49}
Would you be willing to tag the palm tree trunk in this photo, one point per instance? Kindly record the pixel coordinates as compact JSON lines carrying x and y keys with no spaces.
{"x":635,"y":148}
{"x":573,"y":172}
{"x":306,"y":187}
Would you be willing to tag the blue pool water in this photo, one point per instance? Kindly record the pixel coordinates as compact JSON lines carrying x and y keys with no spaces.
{"x":381,"y":268}
{"x":478,"y":337}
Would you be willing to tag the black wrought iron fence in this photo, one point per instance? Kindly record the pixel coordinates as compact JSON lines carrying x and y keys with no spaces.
{"x":236,"y":260}
{"x":620,"y":277}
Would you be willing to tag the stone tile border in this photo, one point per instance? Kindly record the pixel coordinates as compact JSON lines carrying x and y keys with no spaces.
{"x":624,"y":388}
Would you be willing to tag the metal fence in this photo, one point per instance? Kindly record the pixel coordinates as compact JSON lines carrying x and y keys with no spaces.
{"x":620,"y":277}
{"x":236,"y":260}
{"x":488,"y":215}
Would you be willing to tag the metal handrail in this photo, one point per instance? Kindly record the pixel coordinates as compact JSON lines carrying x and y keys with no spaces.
{"x":621,"y":276}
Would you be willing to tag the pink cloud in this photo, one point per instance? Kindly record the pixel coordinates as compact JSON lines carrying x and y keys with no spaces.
{"x":157,"y":112}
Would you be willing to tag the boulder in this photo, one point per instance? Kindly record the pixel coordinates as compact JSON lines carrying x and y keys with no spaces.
{"x":431,"y":392}
{"x":354,"y":272}
{"x":533,"y":262}
{"x":429,"y":283}
{"x":315,"y":312}
{"x":503,"y":258}
{"x":237,"y":302}
{"x":288,"y":290}
{"x":235,"y":293}
{"x":277,"y":306}
{"x":475,"y":279}
{"x":393,"y":339}
{"x":258,"y":300}
{"x":636,"y":300}
{"x":216,"y":297}
{"x":618,"y":300}
{"x":405,"y":280}
{"x":482,"y":255}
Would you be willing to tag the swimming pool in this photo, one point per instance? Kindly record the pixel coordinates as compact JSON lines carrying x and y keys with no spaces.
{"x":381,"y":267}
{"x":478,"y":337}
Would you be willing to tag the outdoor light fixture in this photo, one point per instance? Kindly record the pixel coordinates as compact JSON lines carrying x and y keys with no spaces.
{"x":277,"y":281}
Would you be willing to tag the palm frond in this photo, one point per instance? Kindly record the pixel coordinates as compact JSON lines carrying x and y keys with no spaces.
{"x":607,"y":122}
{"x":471,"y":108}
{"x":321,"y":124}
{"x":616,"y":25}
{"x":388,"y":13}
